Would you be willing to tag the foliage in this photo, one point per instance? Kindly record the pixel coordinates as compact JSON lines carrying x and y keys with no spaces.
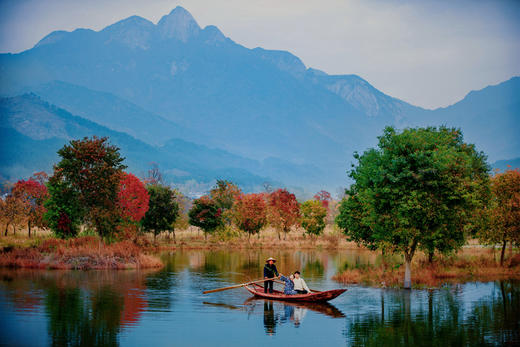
{"x":418,"y":189}
{"x":502,"y":216}
{"x":163,"y":209}
{"x":205,"y":214}
{"x":250,"y":213}
{"x":324,"y":197}
{"x":313,"y":215}
{"x":13,"y":211}
{"x":224,"y":193}
{"x":64,"y":212}
{"x":132,"y":198}
{"x":33,"y":193}
{"x":89,"y":172}
{"x":283,"y":210}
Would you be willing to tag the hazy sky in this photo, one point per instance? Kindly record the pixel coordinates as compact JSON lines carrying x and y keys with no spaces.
{"x":429,"y":53}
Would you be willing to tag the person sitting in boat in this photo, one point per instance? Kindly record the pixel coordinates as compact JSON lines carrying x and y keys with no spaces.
{"x":270,"y":271}
{"x":299,"y":284}
{"x":289,"y":285}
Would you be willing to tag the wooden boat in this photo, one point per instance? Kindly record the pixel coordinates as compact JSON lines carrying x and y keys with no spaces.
{"x":315,"y":296}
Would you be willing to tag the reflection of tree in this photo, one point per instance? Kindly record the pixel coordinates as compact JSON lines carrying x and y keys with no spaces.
{"x":443,"y":321}
{"x":82,"y":308}
{"x":77,"y":319}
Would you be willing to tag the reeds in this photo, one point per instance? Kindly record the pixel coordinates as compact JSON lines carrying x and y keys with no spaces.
{"x":466,"y":267}
{"x":88,"y":252}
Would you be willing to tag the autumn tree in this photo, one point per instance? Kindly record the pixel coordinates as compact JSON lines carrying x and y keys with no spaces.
{"x":502,"y":216}
{"x":250,"y":213}
{"x":33,"y":194}
{"x":206,"y":214}
{"x":418,"y":190}
{"x":224,"y":194}
{"x":13,"y":211}
{"x":89,"y":172}
{"x":324,"y":197}
{"x":283,"y":211}
{"x":313,"y":215}
{"x":155,"y":176}
{"x":132,"y":198}
{"x":163,"y":210}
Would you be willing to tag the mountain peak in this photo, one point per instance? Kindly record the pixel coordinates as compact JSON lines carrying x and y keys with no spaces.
{"x":134,"y":32}
{"x":179,"y":24}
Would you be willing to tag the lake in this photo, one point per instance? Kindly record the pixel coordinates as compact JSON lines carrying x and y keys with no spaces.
{"x":167,"y":307}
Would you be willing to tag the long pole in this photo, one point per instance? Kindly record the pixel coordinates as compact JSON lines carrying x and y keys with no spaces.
{"x":237,"y":286}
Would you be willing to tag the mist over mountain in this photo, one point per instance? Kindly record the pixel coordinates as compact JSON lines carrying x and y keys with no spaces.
{"x":262,"y":111}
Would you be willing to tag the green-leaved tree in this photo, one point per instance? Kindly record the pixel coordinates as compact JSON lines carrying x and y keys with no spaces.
{"x":417,"y":190}
{"x":163,"y":210}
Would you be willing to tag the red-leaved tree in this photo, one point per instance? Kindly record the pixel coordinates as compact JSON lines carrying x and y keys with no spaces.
{"x":132,"y":198}
{"x":250,"y":213}
{"x":324,"y":197}
{"x":283,"y":211}
{"x":33,"y":194}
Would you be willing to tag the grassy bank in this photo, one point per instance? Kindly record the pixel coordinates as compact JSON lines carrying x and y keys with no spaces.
{"x":83,"y":253}
{"x":469,"y":265}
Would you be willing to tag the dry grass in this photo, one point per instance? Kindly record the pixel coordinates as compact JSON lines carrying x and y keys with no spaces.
{"x":469,"y":265}
{"x":83,"y":253}
{"x":193,"y":238}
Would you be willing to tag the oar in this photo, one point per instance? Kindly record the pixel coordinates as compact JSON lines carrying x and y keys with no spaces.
{"x":237,"y":286}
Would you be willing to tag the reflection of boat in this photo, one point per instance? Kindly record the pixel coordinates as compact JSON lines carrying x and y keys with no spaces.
{"x":315,"y":296}
{"x":321,"y":307}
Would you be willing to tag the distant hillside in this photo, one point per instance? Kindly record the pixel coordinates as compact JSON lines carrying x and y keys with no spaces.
{"x":299,"y":125}
{"x":113,"y":112}
{"x":32,"y":130}
{"x":489,"y":117}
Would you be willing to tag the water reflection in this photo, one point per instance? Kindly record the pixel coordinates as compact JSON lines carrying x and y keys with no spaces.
{"x":442,"y":318}
{"x":166,"y":307}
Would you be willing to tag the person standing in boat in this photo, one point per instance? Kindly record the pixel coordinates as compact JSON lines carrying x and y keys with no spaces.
{"x":299,"y":284}
{"x":270,"y":271}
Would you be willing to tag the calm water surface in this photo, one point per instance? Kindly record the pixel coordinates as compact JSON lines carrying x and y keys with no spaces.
{"x":166,"y":307}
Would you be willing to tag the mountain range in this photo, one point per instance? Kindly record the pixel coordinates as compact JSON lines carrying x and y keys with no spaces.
{"x":178,"y":92}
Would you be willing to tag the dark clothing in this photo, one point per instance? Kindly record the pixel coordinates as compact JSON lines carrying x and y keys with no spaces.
{"x":301,"y":291}
{"x":268,"y":285}
{"x":270,"y":271}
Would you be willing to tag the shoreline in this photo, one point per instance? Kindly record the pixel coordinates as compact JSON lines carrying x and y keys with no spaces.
{"x":474,"y":262}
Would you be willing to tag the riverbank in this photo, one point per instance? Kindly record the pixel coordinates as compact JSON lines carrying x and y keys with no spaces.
{"x":471,"y":264}
{"x":82,"y":253}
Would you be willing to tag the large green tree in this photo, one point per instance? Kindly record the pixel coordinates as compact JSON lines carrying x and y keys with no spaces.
{"x":418,"y":189}
{"x":84,"y":186}
{"x":163,"y":210}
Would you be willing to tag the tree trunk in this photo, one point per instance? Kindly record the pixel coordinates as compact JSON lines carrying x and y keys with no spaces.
{"x":14,"y":229}
{"x":6,"y":228}
{"x":258,"y":235}
{"x":502,"y":253}
{"x":430,"y":256}
{"x":511,"y":250}
{"x":174,"y":239}
{"x":205,"y":236}
{"x":29,"y":227}
{"x":154,"y":237}
{"x":407,"y":271}
{"x":279,"y":236}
